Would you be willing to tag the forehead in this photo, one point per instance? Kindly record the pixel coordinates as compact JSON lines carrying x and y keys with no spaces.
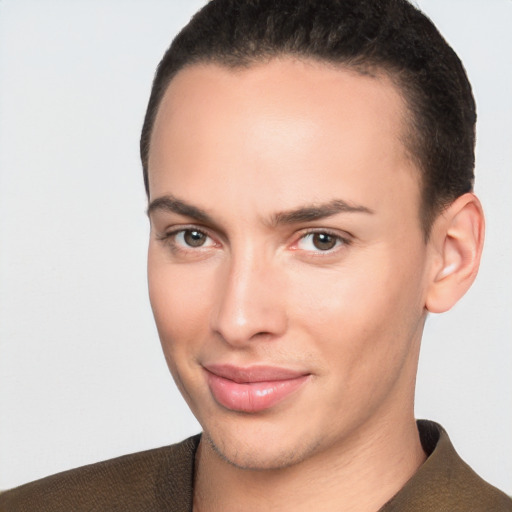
{"x":288,"y":124}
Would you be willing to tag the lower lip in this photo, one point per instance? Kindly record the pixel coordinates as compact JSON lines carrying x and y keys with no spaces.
{"x":252,"y":396}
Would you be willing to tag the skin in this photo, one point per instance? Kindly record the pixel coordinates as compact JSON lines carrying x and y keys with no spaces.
{"x":255,"y":150}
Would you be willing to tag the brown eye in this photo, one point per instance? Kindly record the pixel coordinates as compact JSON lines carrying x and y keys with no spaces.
{"x":320,"y":241}
{"x":324,"y":241}
{"x":194,"y":238}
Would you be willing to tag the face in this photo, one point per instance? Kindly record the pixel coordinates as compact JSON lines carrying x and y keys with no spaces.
{"x":287,"y":266}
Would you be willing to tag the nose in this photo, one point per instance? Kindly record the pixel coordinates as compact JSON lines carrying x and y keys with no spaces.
{"x":250,"y":303}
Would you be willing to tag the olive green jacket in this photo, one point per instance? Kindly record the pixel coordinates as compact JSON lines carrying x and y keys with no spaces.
{"x":161,"y":480}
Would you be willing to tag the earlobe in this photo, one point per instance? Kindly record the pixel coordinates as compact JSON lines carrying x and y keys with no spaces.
{"x":458,"y":235}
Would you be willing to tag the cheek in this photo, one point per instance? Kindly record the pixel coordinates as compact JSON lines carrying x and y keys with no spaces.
{"x":364,"y":331}
{"x":360,"y":315}
{"x":179,"y":303}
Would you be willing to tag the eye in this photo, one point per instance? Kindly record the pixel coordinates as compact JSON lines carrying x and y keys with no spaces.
{"x":188,"y":243}
{"x":319,"y":241}
{"x":192,"y":238}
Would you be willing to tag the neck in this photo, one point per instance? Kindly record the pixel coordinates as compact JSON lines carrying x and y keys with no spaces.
{"x":359,"y":474}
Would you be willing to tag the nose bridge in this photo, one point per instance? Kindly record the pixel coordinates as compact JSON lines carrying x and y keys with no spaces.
{"x":249,"y":299}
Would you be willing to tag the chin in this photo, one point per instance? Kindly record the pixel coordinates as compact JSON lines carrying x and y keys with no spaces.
{"x":257,"y":450}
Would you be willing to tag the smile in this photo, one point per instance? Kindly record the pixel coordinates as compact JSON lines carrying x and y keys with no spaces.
{"x":252,"y":389}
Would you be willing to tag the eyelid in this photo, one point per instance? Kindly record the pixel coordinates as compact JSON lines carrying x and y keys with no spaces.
{"x":169,"y":237}
{"x":177,"y":228}
{"x":345,"y":238}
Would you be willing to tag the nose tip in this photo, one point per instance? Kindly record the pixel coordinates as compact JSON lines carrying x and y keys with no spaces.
{"x":249,"y":306}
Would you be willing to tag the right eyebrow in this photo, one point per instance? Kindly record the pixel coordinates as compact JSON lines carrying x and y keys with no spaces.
{"x":170,"y":203}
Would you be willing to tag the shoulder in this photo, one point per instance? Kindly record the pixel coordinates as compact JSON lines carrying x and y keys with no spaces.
{"x":148,"y":480}
{"x":445,"y":483}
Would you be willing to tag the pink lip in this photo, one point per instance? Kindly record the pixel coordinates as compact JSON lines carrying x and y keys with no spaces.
{"x":252,"y":389}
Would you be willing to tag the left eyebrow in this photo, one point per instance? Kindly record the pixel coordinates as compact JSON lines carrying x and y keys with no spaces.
{"x":314,"y":212}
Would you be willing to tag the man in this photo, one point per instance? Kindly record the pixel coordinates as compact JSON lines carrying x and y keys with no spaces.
{"x":309,"y":170}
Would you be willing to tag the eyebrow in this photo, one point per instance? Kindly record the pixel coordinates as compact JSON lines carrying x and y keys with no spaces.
{"x":307,"y":213}
{"x":172,"y":204}
{"x":317,"y":212}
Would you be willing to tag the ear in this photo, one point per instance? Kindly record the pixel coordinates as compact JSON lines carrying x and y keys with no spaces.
{"x":457,"y":237}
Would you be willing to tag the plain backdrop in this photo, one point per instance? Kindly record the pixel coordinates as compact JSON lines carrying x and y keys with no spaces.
{"x":82,"y":377}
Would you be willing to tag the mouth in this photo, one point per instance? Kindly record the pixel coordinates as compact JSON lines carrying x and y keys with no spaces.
{"x":252,"y":389}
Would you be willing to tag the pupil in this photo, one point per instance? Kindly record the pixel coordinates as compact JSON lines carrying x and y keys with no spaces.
{"x":194,"y":238}
{"x":323,"y":241}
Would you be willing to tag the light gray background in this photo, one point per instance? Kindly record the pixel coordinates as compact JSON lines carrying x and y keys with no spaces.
{"x":82,"y":377}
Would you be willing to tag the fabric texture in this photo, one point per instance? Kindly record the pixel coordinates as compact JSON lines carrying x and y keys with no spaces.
{"x":444,"y":482}
{"x":162,"y":480}
{"x":150,"y":481}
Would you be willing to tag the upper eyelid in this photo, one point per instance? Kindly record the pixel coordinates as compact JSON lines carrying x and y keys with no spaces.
{"x":214,"y":232}
{"x":172,"y":230}
{"x":346,"y":236}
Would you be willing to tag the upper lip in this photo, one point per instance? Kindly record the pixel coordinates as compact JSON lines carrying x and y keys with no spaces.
{"x":256,"y":373}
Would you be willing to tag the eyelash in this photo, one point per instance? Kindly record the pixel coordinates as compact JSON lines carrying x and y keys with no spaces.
{"x":341,"y":241}
{"x":169,"y":238}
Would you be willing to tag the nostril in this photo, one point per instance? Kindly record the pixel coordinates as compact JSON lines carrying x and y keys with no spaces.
{"x":240,"y":326}
{"x":248,"y":305}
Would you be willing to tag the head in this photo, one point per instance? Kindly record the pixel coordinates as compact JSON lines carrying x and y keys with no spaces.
{"x":372,"y":38}
{"x":308,"y":166}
